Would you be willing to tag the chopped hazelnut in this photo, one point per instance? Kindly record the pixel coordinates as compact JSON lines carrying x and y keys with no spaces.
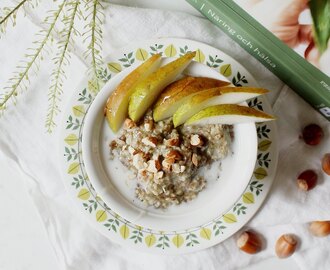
{"x":167,"y":163}
{"x":172,"y":142}
{"x":122,"y":138}
{"x":148,"y":125}
{"x":153,"y":166}
{"x":196,"y":140}
{"x":120,"y":142}
{"x":150,"y":141}
{"x":158,"y":165}
{"x":131,"y":150}
{"x":159,"y":175}
{"x":138,"y":161}
{"x":124,"y":147}
{"x":146,"y":156}
{"x":113,"y":145}
{"x":176,"y":168}
{"x":182,"y":168}
{"x":129,"y":123}
{"x":143,"y":173}
{"x":136,"y":151}
{"x":174,"y":154}
{"x":194,"y":159}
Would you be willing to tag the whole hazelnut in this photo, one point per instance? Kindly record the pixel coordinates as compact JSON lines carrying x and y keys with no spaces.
{"x":326,"y":163}
{"x":307,"y":180}
{"x":320,"y":228}
{"x":249,"y":242}
{"x":312,"y":134}
{"x":285,"y":246}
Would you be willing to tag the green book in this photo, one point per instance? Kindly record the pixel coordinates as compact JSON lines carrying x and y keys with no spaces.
{"x":309,"y":82}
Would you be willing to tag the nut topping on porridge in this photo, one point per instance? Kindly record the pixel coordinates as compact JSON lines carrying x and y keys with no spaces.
{"x":129,"y":123}
{"x":196,"y":140}
{"x":150,"y":141}
{"x":166,"y":160}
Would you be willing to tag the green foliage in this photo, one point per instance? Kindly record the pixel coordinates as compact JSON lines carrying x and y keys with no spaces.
{"x":320,"y":11}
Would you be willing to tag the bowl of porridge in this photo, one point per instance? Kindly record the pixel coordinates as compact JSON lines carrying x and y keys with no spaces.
{"x":162,"y":176}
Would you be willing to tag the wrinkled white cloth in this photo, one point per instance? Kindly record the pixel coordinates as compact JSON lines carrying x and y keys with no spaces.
{"x":77,"y":245}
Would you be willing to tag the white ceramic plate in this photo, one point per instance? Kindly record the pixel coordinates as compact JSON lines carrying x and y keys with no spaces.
{"x":100,"y":210}
{"x":225,"y":183}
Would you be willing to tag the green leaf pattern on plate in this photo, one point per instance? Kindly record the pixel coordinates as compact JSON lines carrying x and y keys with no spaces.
{"x":164,"y":241}
{"x":214,"y":61}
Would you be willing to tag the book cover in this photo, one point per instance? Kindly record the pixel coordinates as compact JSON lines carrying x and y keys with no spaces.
{"x":290,"y":38}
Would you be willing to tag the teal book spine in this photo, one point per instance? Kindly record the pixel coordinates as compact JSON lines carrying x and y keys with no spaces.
{"x":305,"y":79}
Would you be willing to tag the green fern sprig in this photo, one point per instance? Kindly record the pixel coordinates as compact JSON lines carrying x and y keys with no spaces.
{"x":8,"y":14}
{"x":94,"y":35}
{"x":21,"y":77}
{"x":61,"y":60}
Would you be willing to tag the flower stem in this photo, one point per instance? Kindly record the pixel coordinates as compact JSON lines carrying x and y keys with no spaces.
{"x":13,"y":11}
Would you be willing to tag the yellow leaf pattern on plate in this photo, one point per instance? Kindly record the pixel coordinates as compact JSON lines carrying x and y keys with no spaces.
{"x":150,"y":240}
{"x":74,"y":168}
{"x":93,"y":86}
{"x":141,"y":54}
{"x":84,"y":194}
{"x":229,"y":218}
{"x":200,"y":57}
{"x":101,"y":216}
{"x":78,"y":110}
{"x":71,"y":139}
{"x":248,"y":197}
{"x":170,"y":51}
{"x":264,"y":145}
{"x":260,"y":173}
{"x":225,"y":70}
{"x":178,"y":240}
{"x":114,"y":67}
{"x":124,"y":231}
{"x":205,"y":233}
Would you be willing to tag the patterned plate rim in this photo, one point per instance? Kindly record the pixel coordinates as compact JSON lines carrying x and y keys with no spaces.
{"x":122,"y":231}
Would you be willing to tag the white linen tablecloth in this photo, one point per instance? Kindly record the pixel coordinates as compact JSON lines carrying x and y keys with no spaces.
{"x":23,"y":139}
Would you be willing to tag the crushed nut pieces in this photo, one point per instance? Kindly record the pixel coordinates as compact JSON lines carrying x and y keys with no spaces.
{"x":196,"y":140}
{"x":166,"y":160}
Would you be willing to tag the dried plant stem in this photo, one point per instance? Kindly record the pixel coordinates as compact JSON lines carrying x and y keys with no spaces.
{"x":93,"y":49}
{"x":25,"y":69}
{"x":15,"y":9}
{"x":61,"y":60}
{"x":94,"y":35}
{"x":64,"y":15}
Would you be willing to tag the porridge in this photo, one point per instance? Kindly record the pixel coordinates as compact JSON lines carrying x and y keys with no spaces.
{"x":166,"y":160}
